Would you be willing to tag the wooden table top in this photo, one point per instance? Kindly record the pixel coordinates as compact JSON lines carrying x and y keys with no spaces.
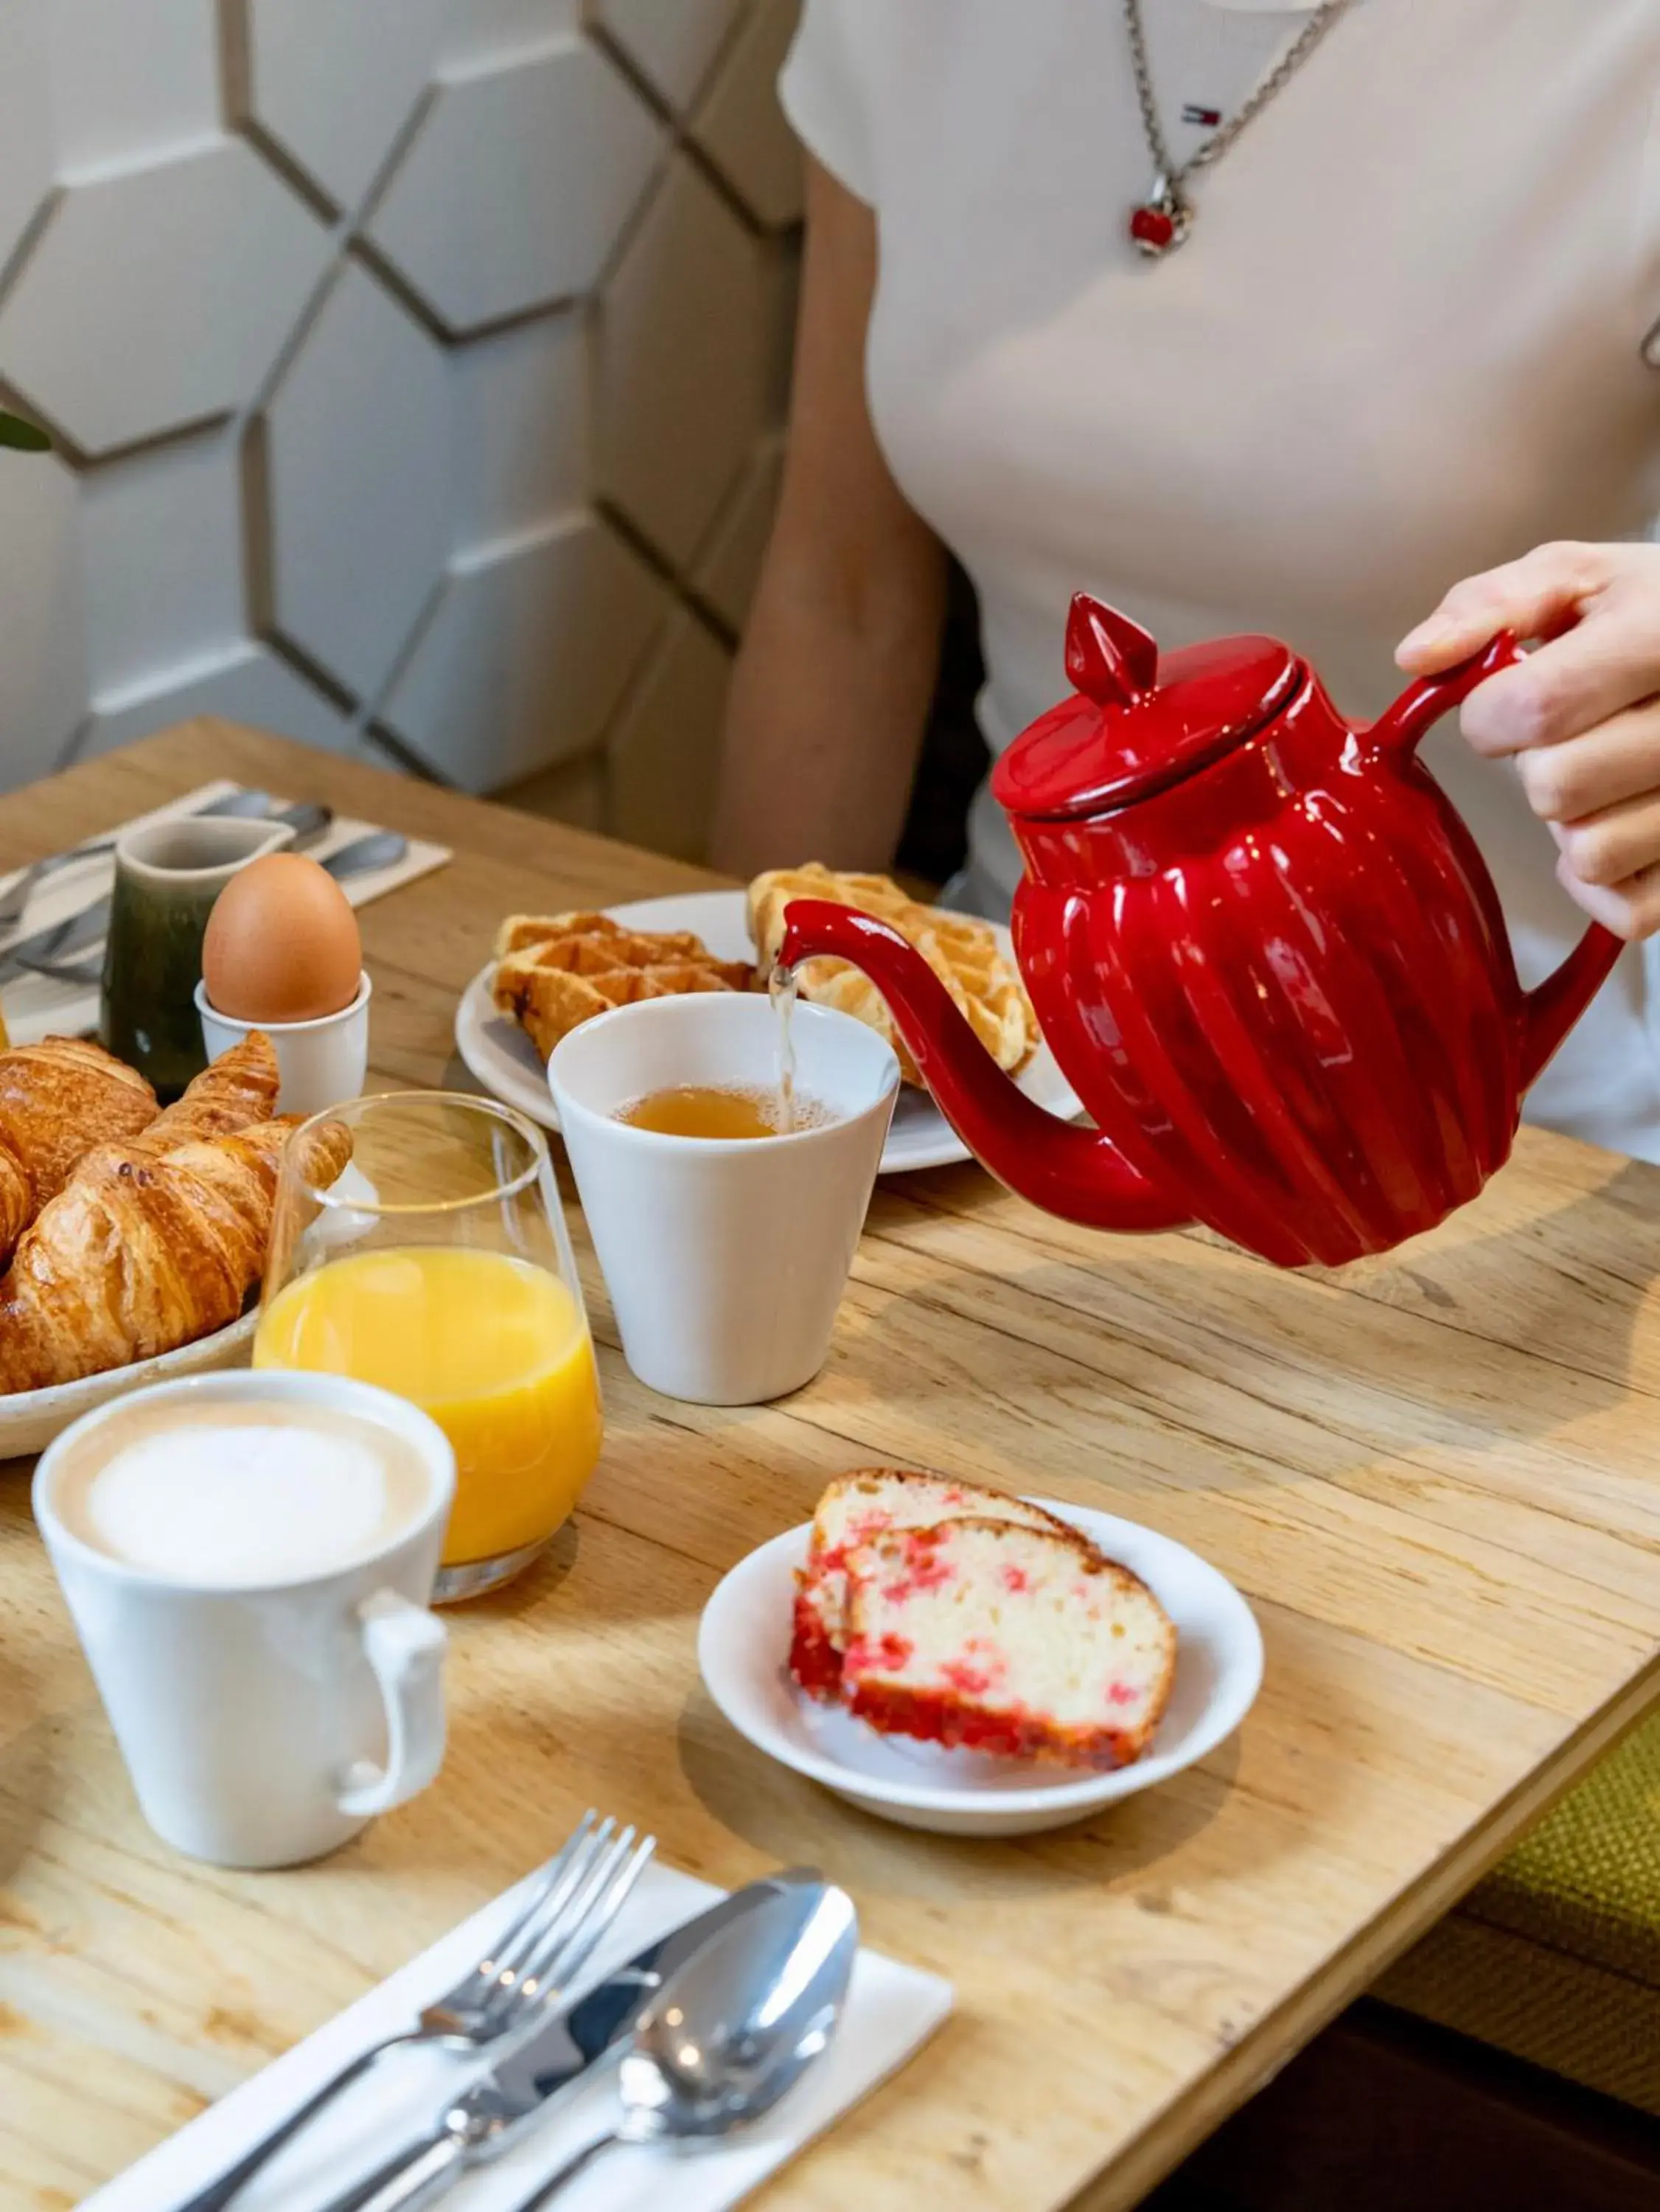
{"x":1437,"y":1478}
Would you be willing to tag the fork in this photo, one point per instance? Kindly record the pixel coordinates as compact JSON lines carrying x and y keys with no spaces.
{"x":577,"y":1895}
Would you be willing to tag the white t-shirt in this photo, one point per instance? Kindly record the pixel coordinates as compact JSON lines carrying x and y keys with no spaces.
{"x":1404,"y":343}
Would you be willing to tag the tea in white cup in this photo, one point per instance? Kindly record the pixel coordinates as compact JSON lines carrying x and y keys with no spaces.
{"x":725,"y":1254}
{"x":248,"y":1560}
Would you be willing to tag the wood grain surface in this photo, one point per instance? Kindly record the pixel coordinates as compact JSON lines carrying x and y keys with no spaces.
{"x":1437,"y":1478}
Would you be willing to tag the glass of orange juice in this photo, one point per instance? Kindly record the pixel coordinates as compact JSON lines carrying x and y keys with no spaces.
{"x":438,"y":1265}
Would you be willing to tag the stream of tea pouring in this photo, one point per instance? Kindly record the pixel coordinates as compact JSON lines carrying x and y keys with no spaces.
{"x":784,"y":989}
{"x":737,"y":1111}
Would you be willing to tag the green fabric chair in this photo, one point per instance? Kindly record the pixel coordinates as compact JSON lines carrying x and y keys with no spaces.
{"x":1555,"y":1957}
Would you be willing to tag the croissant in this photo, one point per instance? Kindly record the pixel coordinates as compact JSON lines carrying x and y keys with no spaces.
{"x":139,"y":1254}
{"x":239,"y":1089}
{"x":58,"y":1099}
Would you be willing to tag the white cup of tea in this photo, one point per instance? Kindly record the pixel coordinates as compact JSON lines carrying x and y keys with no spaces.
{"x":248,"y":1560}
{"x":725,"y":1258}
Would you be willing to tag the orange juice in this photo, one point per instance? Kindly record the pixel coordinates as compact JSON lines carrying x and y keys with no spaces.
{"x":494,"y":1348}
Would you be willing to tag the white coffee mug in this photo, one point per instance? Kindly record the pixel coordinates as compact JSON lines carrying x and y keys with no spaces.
{"x":322,"y":1063}
{"x":262,"y":1726}
{"x":725,"y":1258}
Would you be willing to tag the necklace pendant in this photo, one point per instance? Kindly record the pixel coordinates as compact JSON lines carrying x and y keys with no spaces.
{"x":1161,"y":223}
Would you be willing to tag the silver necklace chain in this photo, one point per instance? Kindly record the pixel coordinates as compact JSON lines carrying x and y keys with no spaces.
{"x":1173,"y":174}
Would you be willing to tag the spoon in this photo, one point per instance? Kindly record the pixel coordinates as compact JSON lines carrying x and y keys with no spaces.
{"x":734,"y":2030}
{"x":377,"y":848}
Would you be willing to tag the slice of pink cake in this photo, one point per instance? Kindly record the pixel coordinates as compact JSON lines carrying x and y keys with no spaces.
{"x":1024,"y":1642}
{"x":851,"y":1512}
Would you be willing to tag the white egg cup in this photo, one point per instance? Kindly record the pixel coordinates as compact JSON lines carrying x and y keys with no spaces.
{"x":322,"y":1063}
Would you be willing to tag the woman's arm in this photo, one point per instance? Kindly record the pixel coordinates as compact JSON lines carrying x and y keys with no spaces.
{"x":830,"y":696}
{"x":1581,"y":715}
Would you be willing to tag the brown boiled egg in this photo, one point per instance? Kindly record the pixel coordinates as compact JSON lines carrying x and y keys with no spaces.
{"x":282,"y":943}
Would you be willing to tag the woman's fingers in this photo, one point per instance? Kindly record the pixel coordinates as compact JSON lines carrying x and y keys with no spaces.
{"x":1610,"y":847}
{"x":1618,"y":760}
{"x":1581,"y":715}
{"x":1630,"y":909}
{"x":1535,"y":597}
{"x":1608,"y":664}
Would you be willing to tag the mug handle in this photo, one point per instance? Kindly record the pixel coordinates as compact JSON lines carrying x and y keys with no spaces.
{"x":405,"y":1646}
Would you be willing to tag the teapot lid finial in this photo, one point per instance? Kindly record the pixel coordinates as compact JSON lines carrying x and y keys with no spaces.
{"x":1136,"y":723}
{"x":1110,"y":658}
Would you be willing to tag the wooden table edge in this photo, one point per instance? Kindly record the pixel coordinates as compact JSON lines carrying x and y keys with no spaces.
{"x":1254,"y":2060}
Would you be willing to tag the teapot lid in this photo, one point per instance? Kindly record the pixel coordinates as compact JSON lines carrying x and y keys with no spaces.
{"x":1136,"y":725}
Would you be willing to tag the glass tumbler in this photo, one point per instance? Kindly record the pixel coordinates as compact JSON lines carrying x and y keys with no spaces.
{"x":438,"y":1265}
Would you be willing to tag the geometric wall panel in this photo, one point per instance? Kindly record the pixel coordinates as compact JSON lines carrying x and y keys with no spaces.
{"x":162,"y":534}
{"x":577,"y":792}
{"x":527,"y":656}
{"x":729,"y":565}
{"x":740,"y":124}
{"x":340,"y":123}
{"x":482,"y":35}
{"x":26,"y":168}
{"x":665,"y":748}
{"x":247,"y":684}
{"x":673,"y":44}
{"x":517,"y":187}
{"x":43,"y":667}
{"x":407,"y":386}
{"x":522,"y":459}
{"x":158,"y":297}
{"x":359,"y":439}
{"x":681,"y":384}
{"x":131,"y":80}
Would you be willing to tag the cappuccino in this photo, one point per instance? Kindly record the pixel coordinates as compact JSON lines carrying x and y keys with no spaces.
{"x":232,"y":1495}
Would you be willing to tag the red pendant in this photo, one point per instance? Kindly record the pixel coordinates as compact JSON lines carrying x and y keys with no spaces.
{"x":1161,"y":224}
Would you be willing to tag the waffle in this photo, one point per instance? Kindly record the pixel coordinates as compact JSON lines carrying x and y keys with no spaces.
{"x":553,"y":972}
{"x":962,"y":952}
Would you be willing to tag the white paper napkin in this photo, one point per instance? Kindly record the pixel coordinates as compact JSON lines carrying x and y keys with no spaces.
{"x":892,"y":2009}
{"x":42,"y":1006}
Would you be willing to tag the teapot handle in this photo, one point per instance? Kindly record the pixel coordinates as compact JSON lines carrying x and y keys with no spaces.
{"x":1551,"y":1010}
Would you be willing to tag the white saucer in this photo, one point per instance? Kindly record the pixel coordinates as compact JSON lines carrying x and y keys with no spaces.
{"x":743,"y":1646}
{"x":503,"y":1059}
{"x":29,"y":1419}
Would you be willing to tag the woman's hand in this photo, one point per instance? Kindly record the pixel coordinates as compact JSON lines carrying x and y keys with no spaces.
{"x":1581,"y":715}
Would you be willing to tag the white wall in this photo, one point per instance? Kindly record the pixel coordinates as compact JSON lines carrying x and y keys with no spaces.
{"x":417,"y":368}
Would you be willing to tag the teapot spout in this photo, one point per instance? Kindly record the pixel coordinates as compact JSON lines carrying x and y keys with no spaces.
{"x":1074,"y":1173}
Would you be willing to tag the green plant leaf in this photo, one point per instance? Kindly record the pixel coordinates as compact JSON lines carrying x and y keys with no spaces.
{"x":23,"y":437}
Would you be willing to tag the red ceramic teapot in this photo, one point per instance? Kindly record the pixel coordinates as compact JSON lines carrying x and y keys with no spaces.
{"x":1264,"y":949}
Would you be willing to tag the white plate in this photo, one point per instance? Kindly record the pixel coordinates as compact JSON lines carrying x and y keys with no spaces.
{"x":506,"y":1063}
{"x":29,"y":1419}
{"x":743,"y":1647}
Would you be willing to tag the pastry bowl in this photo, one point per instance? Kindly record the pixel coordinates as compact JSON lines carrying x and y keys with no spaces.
{"x":30,"y":1419}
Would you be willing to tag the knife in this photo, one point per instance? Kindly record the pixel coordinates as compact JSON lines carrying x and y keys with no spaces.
{"x":493,"y":2114}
